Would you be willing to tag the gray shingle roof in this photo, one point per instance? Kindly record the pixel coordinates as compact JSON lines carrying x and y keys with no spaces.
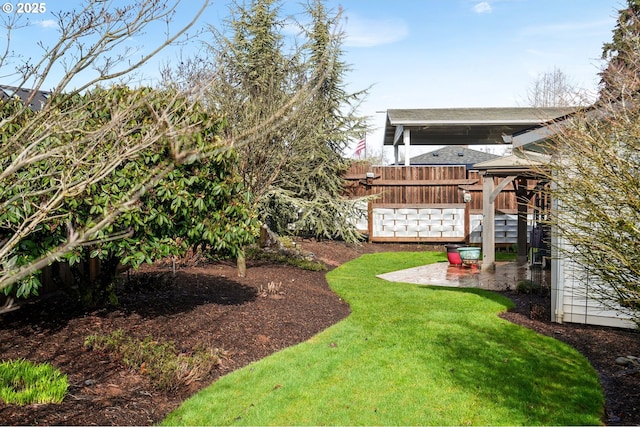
{"x":507,"y":115}
{"x":452,"y":155}
{"x":36,"y":104}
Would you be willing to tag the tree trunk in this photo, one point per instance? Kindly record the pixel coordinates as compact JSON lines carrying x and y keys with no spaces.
{"x":94,"y":282}
{"x":242,"y":264}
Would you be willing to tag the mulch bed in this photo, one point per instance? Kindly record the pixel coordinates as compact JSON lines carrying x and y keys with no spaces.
{"x":208,"y":304}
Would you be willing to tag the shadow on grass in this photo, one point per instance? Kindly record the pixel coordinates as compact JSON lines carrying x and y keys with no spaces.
{"x":540,"y":377}
{"x":490,"y":295}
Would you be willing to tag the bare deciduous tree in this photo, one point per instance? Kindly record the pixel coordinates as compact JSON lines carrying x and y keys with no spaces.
{"x":596,"y":186}
{"x":554,"y":89}
{"x":596,"y":181}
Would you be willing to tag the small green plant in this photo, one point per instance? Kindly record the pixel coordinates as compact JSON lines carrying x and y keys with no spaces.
{"x":528,"y":287}
{"x":293,"y":258}
{"x":287,"y":242}
{"x":23,"y":383}
{"x":167,"y":367}
{"x":272,"y":288}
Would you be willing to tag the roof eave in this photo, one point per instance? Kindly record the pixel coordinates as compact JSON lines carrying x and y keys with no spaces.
{"x":461,"y":122}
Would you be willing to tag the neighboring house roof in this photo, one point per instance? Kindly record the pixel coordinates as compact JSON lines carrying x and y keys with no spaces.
{"x":452,"y":155}
{"x":36,"y":104}
{"x":464,"y":126}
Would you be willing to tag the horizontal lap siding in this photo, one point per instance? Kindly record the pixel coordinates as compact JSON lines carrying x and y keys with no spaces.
{"x":581,"y":302}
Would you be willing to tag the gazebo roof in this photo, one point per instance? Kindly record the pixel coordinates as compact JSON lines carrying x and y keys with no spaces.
{"x":465,"y":126}
{"x":522,"y":164}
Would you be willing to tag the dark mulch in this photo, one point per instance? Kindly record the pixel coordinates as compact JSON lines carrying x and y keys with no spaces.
{"x":208,"y":304}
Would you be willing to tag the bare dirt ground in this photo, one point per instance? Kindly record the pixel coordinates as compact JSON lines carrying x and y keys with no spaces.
{"x":208,"y":303}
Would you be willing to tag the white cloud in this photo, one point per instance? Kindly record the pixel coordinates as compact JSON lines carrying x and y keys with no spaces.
{"x":372,"y":32}
{"x":482,"y":7}
{"x":47,"y":23}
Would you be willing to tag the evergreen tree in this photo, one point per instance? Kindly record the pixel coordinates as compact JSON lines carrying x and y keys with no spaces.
{"x":284,"y":101}
{"x":621,"y":76}
{"x":317,"y":189}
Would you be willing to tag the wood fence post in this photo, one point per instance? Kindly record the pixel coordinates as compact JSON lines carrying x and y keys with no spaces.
{"x":467,"y":223}
{"x":488,"y":223}
{"x":370,"y":220}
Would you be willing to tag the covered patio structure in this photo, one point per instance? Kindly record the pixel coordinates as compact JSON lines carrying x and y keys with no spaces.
{"x":460,"y":126}
{"x":497,"y":174}
{"x":478,"y":126}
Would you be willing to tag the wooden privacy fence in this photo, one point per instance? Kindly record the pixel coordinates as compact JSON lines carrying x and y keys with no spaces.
{"x":431,"y":204}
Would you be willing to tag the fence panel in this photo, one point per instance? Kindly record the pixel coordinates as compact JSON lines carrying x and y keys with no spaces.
{"x":407,"y":196}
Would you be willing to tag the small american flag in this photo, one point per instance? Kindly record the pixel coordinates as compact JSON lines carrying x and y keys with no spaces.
{"x":360,"y":148}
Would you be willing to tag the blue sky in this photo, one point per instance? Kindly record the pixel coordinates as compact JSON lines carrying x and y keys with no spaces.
{"x":438,"y":53}
{"x":468,"y":53}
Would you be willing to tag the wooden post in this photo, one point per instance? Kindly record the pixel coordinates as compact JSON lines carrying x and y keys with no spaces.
{"x":467,"y":223}
{"x":488,"y":224}
{"x":406,"y":140}
{"x":523,"y":202}
{"x":370,"y":219}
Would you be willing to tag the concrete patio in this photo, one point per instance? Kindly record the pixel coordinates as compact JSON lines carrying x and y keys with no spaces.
{"x":506,"y":276}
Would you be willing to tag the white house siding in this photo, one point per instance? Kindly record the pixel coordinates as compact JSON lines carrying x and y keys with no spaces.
{"x":574,"y":299}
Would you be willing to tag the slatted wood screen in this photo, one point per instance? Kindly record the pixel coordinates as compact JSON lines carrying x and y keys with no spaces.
{"x":423,"y":190}
{"x":423,"y":185}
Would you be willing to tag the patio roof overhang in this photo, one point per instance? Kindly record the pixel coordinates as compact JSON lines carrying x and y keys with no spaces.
{"x":463,"y":126}
{"x":536,"y":138}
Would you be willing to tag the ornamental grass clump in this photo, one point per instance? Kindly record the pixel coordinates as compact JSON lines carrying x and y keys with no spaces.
{"x":166,"y":366}
{"x":23,"y":383}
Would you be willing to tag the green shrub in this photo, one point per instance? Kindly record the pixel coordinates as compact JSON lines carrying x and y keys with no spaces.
{"x":287,"y":242}
{"x":293,"y":258}
{"x":528,"y":287}
{"x":23,"y":383}
{"x":167,"y":367}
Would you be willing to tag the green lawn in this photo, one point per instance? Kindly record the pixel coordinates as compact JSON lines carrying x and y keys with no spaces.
{"x":407,"y":355}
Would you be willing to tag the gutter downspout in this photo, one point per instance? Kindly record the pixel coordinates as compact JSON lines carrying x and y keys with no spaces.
{"x":557,"y":272}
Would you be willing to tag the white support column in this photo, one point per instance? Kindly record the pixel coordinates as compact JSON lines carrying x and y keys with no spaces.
{"x":396,"y":142}
{"x":406,"y":140}
{"x":488,"y":224}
